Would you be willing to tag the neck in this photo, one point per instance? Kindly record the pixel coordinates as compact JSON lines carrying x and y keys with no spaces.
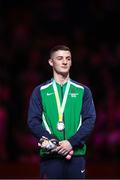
{"x":61,"y":79}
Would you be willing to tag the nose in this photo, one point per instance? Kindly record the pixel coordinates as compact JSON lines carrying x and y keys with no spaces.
{"x":64,"y":61}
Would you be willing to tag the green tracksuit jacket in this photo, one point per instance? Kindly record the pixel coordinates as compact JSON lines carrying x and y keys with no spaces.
{"x":79,"y":114}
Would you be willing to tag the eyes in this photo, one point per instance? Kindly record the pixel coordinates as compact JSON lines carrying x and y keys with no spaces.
{"x":61,"y":58}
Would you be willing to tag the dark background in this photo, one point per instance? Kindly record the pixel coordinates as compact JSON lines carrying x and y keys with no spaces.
{"x":28,"y":30}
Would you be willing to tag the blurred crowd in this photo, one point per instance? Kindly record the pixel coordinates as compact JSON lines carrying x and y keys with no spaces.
{"x":27,"y":32}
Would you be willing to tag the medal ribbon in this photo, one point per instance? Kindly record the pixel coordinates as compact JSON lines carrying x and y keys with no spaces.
{"x":61,"y":107}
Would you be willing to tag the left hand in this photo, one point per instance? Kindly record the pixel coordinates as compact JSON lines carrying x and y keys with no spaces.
{"x":64,"y":147}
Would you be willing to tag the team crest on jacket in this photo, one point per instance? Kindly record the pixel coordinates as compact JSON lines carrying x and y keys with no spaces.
{"x":73,"y":93}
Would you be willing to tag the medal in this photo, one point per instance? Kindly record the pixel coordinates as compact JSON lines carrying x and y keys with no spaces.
{"x":61,"y":107}
{"x":60,"y":126}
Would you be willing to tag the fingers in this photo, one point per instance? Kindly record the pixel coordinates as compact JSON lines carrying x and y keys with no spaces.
{"x":68,"y":157}
{"x":39,"y":144}
{"x":53,"y":150}
{"x":62,"y":151}
{"x":65,"y":145}
{"x":71,"y":152}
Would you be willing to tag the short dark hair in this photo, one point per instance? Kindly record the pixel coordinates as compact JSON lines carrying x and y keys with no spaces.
{"x":59,"y":47}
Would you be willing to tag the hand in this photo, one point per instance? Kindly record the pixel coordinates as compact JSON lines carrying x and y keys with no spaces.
{"x":69,"y":155}
{"x":43,"y":142}
{"x":64,"y":146}
{"x":65,"y":149}
{"x":47,"y":144}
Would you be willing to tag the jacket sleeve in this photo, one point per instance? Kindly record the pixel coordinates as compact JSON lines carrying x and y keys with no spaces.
{"x":35,"y":115}
{"x":88,"y":120}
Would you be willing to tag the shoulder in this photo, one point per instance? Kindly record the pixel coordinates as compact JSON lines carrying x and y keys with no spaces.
{"x":76,"y":84}
{"x":42,"y":86}
{"x":46,"y":85}
{"x":81,"y":86}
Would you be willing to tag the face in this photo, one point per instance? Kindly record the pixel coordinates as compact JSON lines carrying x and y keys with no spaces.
{"x":61,"y":62}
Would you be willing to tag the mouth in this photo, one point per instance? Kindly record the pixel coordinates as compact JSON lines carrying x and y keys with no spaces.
{"x":64,"y":67}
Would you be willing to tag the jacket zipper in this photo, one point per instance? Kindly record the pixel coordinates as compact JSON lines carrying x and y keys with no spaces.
{"x":63,"y":112}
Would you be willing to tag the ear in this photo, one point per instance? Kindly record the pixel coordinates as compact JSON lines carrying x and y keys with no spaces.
{"x":50,"y":61}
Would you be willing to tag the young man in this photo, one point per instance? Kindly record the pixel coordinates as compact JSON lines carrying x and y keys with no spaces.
{"x":61,"y":110}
